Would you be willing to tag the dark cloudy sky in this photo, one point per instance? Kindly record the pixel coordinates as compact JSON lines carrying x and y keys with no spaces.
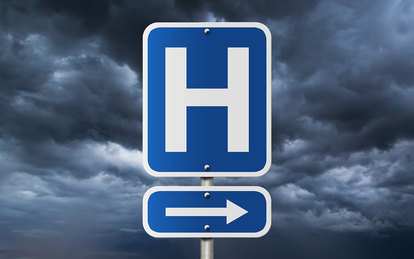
{"x":71,"y":175}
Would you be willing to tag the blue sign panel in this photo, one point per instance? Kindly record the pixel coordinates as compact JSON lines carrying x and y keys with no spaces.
{"x":206,"y":99}
{"x":206,"y":211}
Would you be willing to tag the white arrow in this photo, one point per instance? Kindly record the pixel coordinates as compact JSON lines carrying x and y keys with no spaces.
{"x":231,"y":212}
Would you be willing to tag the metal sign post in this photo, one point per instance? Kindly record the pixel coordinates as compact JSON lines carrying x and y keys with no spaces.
{"x":206,"y":244}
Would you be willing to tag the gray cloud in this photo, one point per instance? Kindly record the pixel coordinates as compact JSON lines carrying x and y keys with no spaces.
{"x":348,"y":71}
{"x":65,"y":98}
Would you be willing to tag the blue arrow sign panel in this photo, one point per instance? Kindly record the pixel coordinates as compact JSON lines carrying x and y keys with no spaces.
{"x":206,"y":211}
{"x":207,"y":99}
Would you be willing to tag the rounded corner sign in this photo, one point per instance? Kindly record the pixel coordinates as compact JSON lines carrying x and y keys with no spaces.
{"x":207,"y":99}
{"x":206,"y":211}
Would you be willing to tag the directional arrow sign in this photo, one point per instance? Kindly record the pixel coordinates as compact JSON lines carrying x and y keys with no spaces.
{"x":206,"y":211}
{"x":231,"y":212}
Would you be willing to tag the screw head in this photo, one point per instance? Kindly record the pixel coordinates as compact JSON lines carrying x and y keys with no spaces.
{"x":206,"y":227}
{"x":207,"y":167}
{"x":207,"y":31}
{"x":206,"y":195}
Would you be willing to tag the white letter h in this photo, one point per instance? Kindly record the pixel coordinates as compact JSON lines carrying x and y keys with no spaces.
{"x":235,"y":97}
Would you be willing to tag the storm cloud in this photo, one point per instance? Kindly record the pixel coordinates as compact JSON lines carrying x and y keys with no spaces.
{"x":71,"y":175}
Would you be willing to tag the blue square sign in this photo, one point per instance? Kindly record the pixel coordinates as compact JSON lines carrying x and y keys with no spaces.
{"x":207,"y":99}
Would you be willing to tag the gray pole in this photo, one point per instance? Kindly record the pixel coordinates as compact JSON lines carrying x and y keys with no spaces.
{"x":207,"y":244}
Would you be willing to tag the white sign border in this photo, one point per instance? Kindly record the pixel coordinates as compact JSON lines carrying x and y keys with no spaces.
{"x":267,"y":33}
{"x":207,"y":189}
